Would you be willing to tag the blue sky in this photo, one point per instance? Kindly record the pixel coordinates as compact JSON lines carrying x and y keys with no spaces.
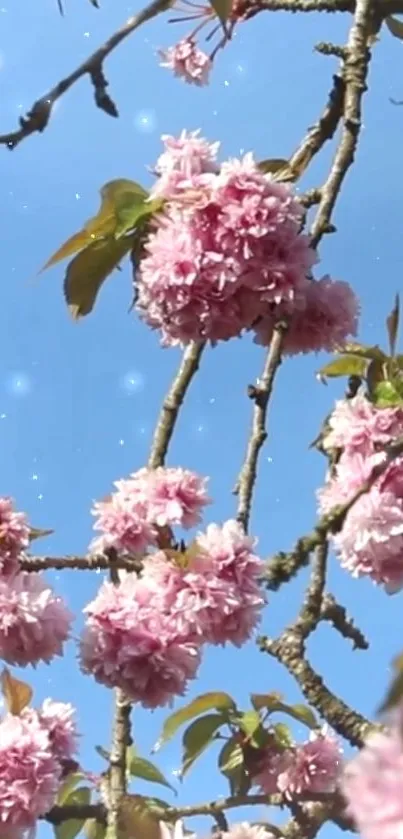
{"x":78,"y":402}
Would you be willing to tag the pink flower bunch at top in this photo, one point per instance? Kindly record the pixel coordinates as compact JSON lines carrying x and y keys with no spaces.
{"x":145,"y":635}
{"x":34,"y":622}
{"x":187,"y":61}
{"x":148,"y":500}
{"x":132,"y":641}
{"x":371,"y":539}
{"x":185,"y":165}
{"x":14,"y":537}
{"x":226,"y":249}
{"x":372,"y":783}
{"x":31,"y":758}
{"x":320,"y":317}
{"x":313,"y":766}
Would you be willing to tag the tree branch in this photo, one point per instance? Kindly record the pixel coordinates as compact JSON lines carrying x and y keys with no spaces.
{"x":289,"y":650}
{"x":121,"y":740}
{"x":172,"y":404}
{"x":211,"y":808}
{"x":261,"y":396}
{"x":354,"y":71}
{"x":78,"y":563}
{"x":121,"y":737}
{"x":57,"y":815}
{"x":336,"y":614}
{"x":283,"y":566}
{"x":38,"y":117}
{"x":320,"y":133}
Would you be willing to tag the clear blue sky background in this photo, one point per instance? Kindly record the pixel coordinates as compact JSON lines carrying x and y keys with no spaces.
{"x":78,"y":402}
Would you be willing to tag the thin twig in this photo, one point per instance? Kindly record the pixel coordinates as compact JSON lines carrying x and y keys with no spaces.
{"x":38,"y":117}
{"x":211,"y":808}
{"x":172,"y":404}
{"x":121,"y":737}
{"x":283,"y":566}
{"x":355,"y":63}
{"x":336,"y":614}
{"x":78,"y":563}
{"x":261,"y":396}
{"x":216,"y":808}
{"x":310,"y":613}
{"x":250,"y":8}
{"x":321,"y":132}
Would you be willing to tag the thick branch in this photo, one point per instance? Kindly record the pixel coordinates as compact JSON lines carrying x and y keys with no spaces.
{"x":121,"y":740}
{"x":289,"y":650}
{"x":38,"y":117}
{"x":355,"y":63}
{"x":172,"y":404}
{"x":260,"y":395}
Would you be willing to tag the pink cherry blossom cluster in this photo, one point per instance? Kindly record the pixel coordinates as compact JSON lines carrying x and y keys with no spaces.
{"x":35,"y":748}
{"x":371,"y":540}
{"x":228,"y":254}
{"x":151,"y":499}
{"x":187,"y":62}
{"x":146,"y":634}
{"x":244,"y":830}
{"x":34,"y":621}
{"x":372,"y":783}
{"x":14,"y":537}
{"x":313,"y":766}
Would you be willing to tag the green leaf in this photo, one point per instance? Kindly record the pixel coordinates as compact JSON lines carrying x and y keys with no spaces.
{"x":138,"y":818}
{"x":39,"y":533}
{"x":94,"y":829}
{"x":303,"y":714}
{"x":273,"y":702}
{"x":363,"y":351}
{"x":274,"y":166}
{"x":395,"y":27}
{"x":116,"y":199}
{"x":375,"y":374}
{"x":249,"y":722}
{"x":282,"y":735}
{"x":67,"y":787}
{"x":222,"y":9}
{"x":131,"y":209}
{"x":71,"y":828}
{"x":206,"y":702}
{"x":88,"y":271}
{"x":232,"y":765}
{"x":197,"y":737}
{"x":139,"y":767}
{"x":392,"y":321}
{"x":387,"y":395}
{"x":346,"y":365}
